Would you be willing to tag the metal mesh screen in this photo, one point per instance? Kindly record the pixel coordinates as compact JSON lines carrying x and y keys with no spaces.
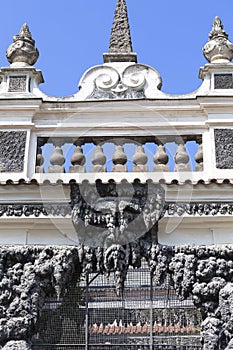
{"x":93,"y":317}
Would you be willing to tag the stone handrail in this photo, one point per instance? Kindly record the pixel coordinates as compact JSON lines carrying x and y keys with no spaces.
{"x":137,"y":154}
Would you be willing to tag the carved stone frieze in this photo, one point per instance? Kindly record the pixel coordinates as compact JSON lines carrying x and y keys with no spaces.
{"x":12,"y":151}
{"x":36,"y":210}
{"x":131,"y":81}
{"x":224,"y":148}
{"x":172,"y":209}
{"x":199,"y":209}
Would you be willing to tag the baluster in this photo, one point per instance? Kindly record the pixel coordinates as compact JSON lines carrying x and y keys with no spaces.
{"x":161,"y":159}
{"x":181,"y":159}
{"x":199,"y":158}
{"x":140,"y":159}
{"x":57,"y":159}
{"x":99,"y":160}
{"x":119,"y":159}
{"x":78,"y":160}
{"x":39,"y":159}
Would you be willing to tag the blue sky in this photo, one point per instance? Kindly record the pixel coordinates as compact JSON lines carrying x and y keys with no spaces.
{"x":72,"y":35}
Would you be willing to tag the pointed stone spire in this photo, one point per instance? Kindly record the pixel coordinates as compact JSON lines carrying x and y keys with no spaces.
{"x":23,"y":51}
{"x":218,"y":49}
{"x":120,"y":48}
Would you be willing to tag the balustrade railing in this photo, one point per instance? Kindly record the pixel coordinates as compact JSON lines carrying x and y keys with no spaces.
{"x":138,"y":154}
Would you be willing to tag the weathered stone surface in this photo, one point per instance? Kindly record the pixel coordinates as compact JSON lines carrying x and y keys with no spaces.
{"x":12,"y":151}
{"x":224,"y":148}
{"x":23,"y":51}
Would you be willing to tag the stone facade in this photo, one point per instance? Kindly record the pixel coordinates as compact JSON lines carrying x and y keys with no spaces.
{"x":70,"y":208}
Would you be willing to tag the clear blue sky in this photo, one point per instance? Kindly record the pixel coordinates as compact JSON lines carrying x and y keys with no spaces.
{"x":72,"y":35}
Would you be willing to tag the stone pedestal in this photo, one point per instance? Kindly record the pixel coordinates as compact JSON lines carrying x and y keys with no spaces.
{"x":199,"y":167}
{"x":139,"y":168}
{"x":182,"y":167}
{"x":39,"y":169}
{"x":56,"y":169}
{"x":161,"y":168}
{"x":77,"y":169}
{"x":98,"y":169}
{"x":119,"y":168}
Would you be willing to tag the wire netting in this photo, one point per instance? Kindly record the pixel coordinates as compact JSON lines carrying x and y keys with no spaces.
{"x":93,"y":317}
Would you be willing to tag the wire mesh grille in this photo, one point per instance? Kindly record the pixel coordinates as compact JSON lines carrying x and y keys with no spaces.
{"x":93,"y":317}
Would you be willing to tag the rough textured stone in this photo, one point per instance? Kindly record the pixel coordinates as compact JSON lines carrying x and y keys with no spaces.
{"x":224,"y":148}
{"x":106,"y":214}
{"x":199,"y":209}
{"x":120,"y":37}
{"x":29,"y":274}
{"x":12,"y":151}
{"x":17,"y":83}
{"x":223,"y":81}
{"x":17,"y":345}
{"x":120,"y":48}
{"x":27,"y":210}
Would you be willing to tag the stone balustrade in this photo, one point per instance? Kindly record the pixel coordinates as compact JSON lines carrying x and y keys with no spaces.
{"x":138,"y":154}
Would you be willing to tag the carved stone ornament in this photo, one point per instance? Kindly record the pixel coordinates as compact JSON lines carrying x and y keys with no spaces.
{"x":224,"y":148}
{"x":106,"y":214}
{"x":23,"y":51}
{"x":65,"y":210}
{"x":12,"y":151}
{"x":108,"y":82}
{"x":218,"y":49}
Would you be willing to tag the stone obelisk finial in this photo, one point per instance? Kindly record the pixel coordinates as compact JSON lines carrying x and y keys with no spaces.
{"x":218,"y":49}
{"x":23,"y":51}
{"x":120,"y":48}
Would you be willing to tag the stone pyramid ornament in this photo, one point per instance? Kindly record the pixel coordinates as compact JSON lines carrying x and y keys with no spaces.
{"x":120,"y":48}
{"x":23,"y":51}
{"x":218,"y":49}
